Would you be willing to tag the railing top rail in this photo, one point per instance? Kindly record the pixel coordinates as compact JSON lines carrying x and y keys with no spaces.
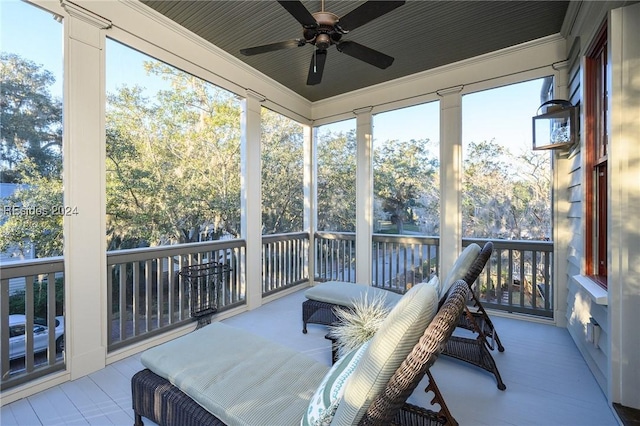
{"x":271,"y":238}
{"x":536,"y":245}
{"x":143,"y":253}
{"x":333,"y":235}
{"x":21,"y":268}
{"x":410,"y":239}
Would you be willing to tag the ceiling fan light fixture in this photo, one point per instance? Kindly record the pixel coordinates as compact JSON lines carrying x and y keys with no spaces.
{"x":323,"y":41}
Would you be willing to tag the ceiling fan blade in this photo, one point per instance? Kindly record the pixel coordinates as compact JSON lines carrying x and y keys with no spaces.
{"x":316,"y":67}
{"x":298,"y":11}
{"x":367,"y":12}
{"x":273,"y":47}
{"x":366,"y":54}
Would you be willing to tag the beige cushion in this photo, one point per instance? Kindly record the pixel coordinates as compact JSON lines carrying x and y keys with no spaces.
{"x":241,"y":378}
{"x":434,"y":282}
{"x":460,"y":268}
{"x":345,"y":293}
{"x":391,"y":344}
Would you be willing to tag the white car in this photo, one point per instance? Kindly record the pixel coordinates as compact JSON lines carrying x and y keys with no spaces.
{"x":17,"y":326}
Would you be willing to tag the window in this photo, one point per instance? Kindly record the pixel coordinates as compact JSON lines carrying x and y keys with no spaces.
{"x":336,"y":156}
{"x":16,"y":330}
{"x":282,"y":174}
{"x":31,"y":139}
{"x":597,"y":138}
{"x":506,"y":187}
{"x":406,"y":170}
{"x":173,"y":154}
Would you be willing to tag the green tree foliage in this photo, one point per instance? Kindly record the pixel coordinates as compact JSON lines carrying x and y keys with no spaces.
{"x":506,"y":196}
{"x":33,"y":214}
{"x":30,"y":119}
{"x":173,"y":170}
{"x":403,"y":177}
{"x":282,"y":174}
{"x":173,"y":162}
{"x":18,"y":300}
{"x":31,"y":158}
{"x":336,"y":186}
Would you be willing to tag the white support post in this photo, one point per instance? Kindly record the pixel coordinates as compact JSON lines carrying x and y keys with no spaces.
{"x":624,"y":203}
{"x":310,"y":205}
{"x":451,"y":173}
{"x":251,"y":204}
{"x":84,"y":192}
{"x":562,"y":233}
{"x":364,"y":194}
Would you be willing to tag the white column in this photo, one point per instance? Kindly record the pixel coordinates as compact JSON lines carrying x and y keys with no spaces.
{"x":450,"y":177}
{"x":624,"y":204}
{"x":310,"y":205}
{"x":364,"y":194}
{"x":84,"y":190}
{"x":561,"y":203}
{"x":251,"y":204}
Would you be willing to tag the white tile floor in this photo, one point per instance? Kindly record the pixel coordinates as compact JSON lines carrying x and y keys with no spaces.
{"x":548,"y":382}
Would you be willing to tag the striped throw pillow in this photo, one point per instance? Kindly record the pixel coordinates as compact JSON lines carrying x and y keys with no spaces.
{"x":325,"y":400}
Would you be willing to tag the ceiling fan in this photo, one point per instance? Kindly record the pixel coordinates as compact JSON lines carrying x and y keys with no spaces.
{"x":324,"y":29}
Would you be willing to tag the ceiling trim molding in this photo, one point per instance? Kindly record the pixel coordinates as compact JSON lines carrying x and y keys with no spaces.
{"x":236,"y":73}
{"x":450,"y":90}
{"x":463,"y":73}
{"x":173,"y":26}
{"x":255,"y":95}
{"x":363,"y":110}
{"x":85,"y":15}
{"x":573,"y":10}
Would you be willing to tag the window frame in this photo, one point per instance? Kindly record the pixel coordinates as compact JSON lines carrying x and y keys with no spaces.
{"x":596,"y":149}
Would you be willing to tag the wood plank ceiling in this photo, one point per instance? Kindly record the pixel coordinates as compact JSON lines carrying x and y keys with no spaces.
{"x":420,"y":35}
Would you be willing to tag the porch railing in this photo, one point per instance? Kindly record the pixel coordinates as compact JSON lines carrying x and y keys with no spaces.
{"x":398,"y":262}
{"x":517,"y":279}
{"x":147,"y":295}
{"x":335,"y":256}
{"x":26,"y":290}
{"x":285,"y":261}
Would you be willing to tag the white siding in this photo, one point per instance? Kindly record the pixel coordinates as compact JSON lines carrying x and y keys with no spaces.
{"x":617,"y":377}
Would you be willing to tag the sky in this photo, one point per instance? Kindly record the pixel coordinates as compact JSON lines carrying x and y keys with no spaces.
{"x":17,"y":36}
{"x":503,"y":114}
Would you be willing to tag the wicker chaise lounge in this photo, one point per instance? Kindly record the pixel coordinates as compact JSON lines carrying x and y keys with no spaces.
{"x":480,"y":321}
{"x":191,"y":395}
{"x":475,"y":350}
{"x":324,"y":298}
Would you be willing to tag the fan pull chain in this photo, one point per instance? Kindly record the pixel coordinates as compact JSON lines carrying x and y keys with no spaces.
{"x":315,"y":60}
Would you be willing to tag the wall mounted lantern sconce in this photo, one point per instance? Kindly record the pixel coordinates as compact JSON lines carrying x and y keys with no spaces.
{"x":556,"y":125}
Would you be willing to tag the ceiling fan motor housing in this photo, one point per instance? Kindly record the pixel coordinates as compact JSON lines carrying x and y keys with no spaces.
{"x":325,"y":34}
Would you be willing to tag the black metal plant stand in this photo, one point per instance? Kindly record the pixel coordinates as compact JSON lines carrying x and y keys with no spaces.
{"x":205,"y":281}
